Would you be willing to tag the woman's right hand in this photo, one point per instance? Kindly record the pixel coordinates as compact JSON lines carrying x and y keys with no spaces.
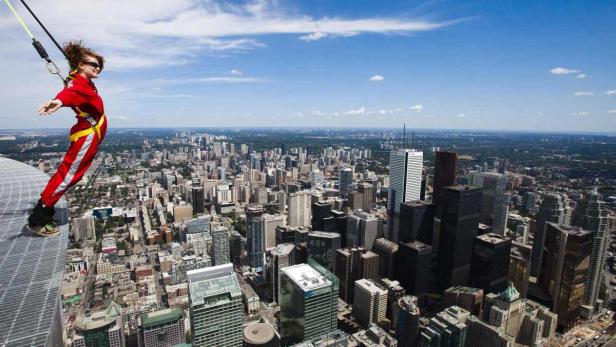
{"x":50,"y":107}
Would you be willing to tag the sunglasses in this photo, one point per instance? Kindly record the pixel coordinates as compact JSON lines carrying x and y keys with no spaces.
{"x":92,"y":64}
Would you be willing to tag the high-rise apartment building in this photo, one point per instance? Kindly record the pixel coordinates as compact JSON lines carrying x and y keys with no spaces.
{"x":216,"y":308}
{"x":298,"y":213}
{"x":255,"y":236}
{"x":220,"y":245}
{"x":564,"y":268}
{"x":461,"y":206}
{"x":370,"y":302}
{"x":308,"y":302}
{"x":551,"y":209}
{"x":490,"y":262}
{"x":591,"y":214}
{"x":197,"y":199}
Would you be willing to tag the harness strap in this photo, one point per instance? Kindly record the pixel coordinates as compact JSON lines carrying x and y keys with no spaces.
{"x":85,"y":132}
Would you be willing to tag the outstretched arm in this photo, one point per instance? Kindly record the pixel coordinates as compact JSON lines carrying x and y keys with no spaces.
{"x":50,"y":107}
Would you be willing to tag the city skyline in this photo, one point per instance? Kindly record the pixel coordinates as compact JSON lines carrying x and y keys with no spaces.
{"x":481,"y":65}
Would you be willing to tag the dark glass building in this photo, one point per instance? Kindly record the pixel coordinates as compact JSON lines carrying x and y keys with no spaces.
{"x":490,"y":262}
{"x":461,"y":207}
{"x":416,"y":222}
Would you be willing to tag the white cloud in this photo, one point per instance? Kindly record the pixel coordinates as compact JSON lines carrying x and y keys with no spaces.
{"x":579,"y":114}
{"x":235,"y":72}
{"x":563,"y":71}
{"x":361,"y":110}
{"x":382,"y":111}
{"x":612,"y":111}
{"x":611,"y":92}
{"x":417,"y":108}
{"x":179,"y":31}
{"x":581,"y":76}
{"x":461,"y":115}
{"x":376,"y":78}
{"x":583,"y":93}
{"x":313,"y":37}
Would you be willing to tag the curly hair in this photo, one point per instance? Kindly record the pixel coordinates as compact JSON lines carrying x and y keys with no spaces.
{"x":76,"y":52}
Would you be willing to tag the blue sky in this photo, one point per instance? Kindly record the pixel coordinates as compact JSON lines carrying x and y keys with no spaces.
{"x":520,"y":65}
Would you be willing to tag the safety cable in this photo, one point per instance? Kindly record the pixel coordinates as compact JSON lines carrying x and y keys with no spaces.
{"x":44,"y":28}
{"x":51,"y":66}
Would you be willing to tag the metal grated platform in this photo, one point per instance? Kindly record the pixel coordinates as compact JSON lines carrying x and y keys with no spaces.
{"x":31,"y":267}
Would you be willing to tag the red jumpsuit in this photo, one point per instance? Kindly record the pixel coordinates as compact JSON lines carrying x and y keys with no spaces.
{"x":81,"y":95}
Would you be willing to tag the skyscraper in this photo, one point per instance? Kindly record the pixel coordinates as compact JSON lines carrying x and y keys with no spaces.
{"x":322,"y":247}
{"x":162,"y":328}
{"x":519,"y":266}
{"x":270,"y":223}
{"x":447,"y":328}
{"x":220,"y":245}
{"x":370,"y":302}
{"x":394,"y":293}
{"x":445,"y":170}
{"x":405,"y":174}
{"x":416,"y":222}
{"x":552,"y":209}
{"x":461,"y":206}
{"x":387,"y":256}
{"x":345,"y":182}
{"x":365,"y":189}
{"x":490,"y":262}
{"x":320,"y":211}
{"x":413,"y":261}
{"x":564,"y":269}
{"x":407,"y":327}
{"x":101,"y":328}
{"x":298,"y":213}
{"x":494,"y":202}
{"x":353,"y":264}
{"x":362,"y":229}
{"x":198,"y":199}
{"x":216,"y":308}
{"x":308,"y":302}
{"x":281,"y":257}
{"x":591,"y":215}
{"x":255,"y":236}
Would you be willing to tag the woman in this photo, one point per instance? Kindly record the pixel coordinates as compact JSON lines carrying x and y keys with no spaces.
{"x":81,"y":95}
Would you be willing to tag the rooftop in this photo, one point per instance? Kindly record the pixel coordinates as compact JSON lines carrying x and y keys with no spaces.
{"x":31,"y":267}
{"x":150,"y":319}
{"x":306,"y":277}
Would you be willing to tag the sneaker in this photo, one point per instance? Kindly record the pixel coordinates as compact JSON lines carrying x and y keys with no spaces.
{"x":49,"y":229}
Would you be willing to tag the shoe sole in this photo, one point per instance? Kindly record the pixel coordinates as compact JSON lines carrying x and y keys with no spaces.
{"x":39,"y":231}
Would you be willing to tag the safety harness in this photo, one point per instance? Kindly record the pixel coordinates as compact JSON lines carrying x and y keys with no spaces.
{"x":95,"y":126}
